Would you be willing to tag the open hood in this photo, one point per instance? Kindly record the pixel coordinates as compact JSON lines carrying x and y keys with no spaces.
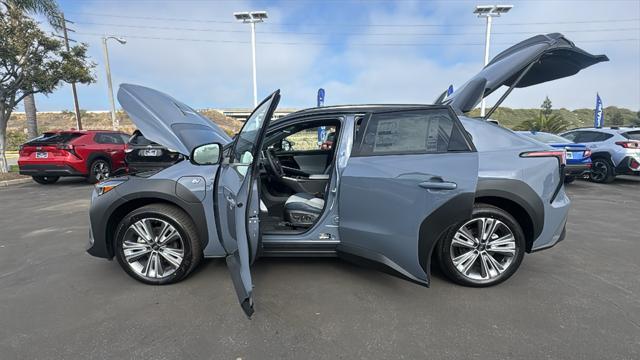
{"x":167,"y":121}
{"x":533,"y":61}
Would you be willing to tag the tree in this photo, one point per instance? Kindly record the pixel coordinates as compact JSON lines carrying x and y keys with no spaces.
{"x":48,"y":8}
{"x":546,"y":120}
{"x":552,"y":124}
{"x":617,"y":119}
{"x":636,"y":121}
{"x":32,"y":62}
{"x":546,"y":107}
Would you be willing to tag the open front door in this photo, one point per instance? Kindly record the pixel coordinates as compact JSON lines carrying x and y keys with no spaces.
{"x":411,"y":174}
{"x":237,"y":200}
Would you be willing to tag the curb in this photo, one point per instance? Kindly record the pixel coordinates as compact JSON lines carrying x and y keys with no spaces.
{"x":6,"y":183}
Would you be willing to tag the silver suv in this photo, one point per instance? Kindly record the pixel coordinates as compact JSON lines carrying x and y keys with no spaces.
{"x":615,"y":151}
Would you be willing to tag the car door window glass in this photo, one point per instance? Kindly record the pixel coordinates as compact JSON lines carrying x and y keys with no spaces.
{"x":411,"y":132}
{"x":108,"y":139}
{"x":242,"y":152}
{"x":308,"y":140}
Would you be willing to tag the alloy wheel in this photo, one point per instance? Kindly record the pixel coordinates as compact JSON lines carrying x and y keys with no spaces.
{"x":153,"y":248}
{"x":483,"y":248}
{"x":599,"y":171}
{"x":101,"y":170}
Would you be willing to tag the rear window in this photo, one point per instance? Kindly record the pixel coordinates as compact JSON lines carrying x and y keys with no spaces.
{"x":54,"y":138}
{"x":547,"y":138}
{"x":139,"y":139}
{"x":411,"y":132}
{"x":632,"y":135}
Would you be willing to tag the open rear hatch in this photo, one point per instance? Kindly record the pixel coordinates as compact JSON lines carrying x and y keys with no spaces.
{"x":533,"y":61}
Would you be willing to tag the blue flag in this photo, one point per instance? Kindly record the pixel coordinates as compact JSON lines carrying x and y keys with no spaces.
{"x":450,"y":90}
{"x":321,"y":129}
{"x":598,"y":120}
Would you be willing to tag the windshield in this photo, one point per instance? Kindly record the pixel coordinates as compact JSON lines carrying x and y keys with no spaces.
{"x":632,"y":135}
{"x":547,"y":138}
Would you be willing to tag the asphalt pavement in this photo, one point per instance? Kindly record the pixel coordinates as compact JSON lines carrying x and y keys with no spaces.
{"x":578,"y":300}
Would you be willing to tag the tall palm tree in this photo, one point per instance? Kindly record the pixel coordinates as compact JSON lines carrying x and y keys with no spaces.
{"x":50,"y":10}
{"x":553,"y":123}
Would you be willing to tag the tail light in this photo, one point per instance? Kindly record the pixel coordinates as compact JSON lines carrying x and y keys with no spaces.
{"x":69,"y":148}
{"x":587,"y":153}
{"x":560,"y":155}
{"x":629,"y":144}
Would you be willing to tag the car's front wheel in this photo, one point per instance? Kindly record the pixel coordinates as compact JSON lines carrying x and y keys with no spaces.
{"x":45,"y":180}
{"x":157,"y":244}
{"x":483,"y":251}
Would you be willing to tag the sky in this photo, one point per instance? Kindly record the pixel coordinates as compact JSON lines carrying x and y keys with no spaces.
{"x":358,"y":51}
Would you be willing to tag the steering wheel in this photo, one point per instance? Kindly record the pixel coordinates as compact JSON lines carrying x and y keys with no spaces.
{"x":273,"y":164}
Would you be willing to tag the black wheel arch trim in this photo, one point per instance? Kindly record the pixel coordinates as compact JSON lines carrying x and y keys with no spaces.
{"x":105,"y":214}
{"x":521,"y":194}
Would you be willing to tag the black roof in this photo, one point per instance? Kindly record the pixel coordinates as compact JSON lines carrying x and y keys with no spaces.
{"x":364,"y":108}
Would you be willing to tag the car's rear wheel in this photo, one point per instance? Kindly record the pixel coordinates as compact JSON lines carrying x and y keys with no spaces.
{"x":602,"y":171}
{"x":45,"y":180}
{"x":483,"y":251}
{"x":98,"y":171}
{"x":157,"y":244}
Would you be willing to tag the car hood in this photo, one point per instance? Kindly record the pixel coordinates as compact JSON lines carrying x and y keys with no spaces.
{"x":168,"y":122}
{"x":553,"y":57}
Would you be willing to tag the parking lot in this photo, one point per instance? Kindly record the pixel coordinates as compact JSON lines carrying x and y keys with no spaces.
{"x":580,"y":299}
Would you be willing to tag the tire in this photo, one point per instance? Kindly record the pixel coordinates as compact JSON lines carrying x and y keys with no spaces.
{"x":569,"y":179}
{"x":602,"y":171}
{"x":98,"y":171}
{"x":135,"y":255}
{"x":477,"y":273}
{"x":46,"y":180}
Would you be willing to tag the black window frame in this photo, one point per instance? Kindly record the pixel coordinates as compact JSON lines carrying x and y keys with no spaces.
{"x":457,"y":126}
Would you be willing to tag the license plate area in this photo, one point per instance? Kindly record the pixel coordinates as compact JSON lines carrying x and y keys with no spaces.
{"x":150,"y":152}
{"x":42,"y":155}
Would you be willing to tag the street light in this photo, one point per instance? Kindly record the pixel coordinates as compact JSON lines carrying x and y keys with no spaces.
{"x":252,"y":18}
{"x":114,"y":120}
{"x":488,"y":12}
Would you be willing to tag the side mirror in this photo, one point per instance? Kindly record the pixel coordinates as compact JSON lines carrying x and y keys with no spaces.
{"x":206,"y":154}
{"x":286,"y":145}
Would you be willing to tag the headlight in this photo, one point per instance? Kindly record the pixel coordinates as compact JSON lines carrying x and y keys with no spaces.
{"x":106,"y":186}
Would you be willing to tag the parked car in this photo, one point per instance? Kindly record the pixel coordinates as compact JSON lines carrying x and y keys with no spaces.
{"x":578,"y":155}
{"x":92,"y":154}
{"x":614,"y":151}
{"x":401,"y":183}
{"x":143,"y":155}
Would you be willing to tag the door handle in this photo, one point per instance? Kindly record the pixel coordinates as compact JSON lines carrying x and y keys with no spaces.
{"x":438,"y":185}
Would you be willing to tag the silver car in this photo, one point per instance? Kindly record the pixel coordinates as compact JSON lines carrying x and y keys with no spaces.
{"x":398,"y":184}
{"x":614,"y":151}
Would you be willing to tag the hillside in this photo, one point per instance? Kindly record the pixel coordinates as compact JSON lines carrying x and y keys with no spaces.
{"x":508,"y":117}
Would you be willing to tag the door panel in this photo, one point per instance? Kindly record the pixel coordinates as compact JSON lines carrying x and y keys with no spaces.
{"x":413,"y":174}
{"x":383,"y":203}
{"x":310,"y":161}
{"x":237,"y":201}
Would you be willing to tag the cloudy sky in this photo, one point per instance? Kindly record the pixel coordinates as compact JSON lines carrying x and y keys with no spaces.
{"x":359,"y":51}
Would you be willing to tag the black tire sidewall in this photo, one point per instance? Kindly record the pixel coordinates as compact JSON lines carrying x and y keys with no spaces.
{"x":482,"y":210}
{"x":91,"y":178}
{"x":609,"y":177}
{"x":147,"y":212}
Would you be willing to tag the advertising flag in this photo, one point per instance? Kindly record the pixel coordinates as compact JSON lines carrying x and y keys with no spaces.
{"x":450,"y":90}
{"x":321,"y":129}
{"x":598,"y":120}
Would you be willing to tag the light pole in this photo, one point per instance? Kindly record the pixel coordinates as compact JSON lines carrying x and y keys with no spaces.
{"x":488,"y":12}
{"x":114,"y":120}
{"x":252,"y":17}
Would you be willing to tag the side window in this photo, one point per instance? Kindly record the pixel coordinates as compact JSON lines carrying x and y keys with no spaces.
{"x":411,"y":132}
{"x":592,"y":136}
{"x":102,"y":138}
{"x":310,"y":140}
{"x":125,"y":138}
